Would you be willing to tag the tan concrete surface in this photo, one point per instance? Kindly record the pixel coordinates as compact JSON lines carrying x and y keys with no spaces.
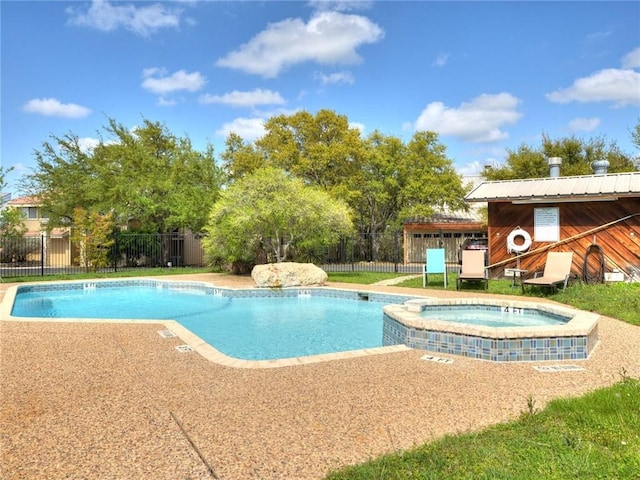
{"x":117,"y":401}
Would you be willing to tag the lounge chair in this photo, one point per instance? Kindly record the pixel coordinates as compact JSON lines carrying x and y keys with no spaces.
{"x":472,"y":268}
{"x":557,"y":269}
{"x":434,"y":263}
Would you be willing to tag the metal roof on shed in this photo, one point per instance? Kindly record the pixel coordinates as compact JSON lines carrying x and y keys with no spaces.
{"x":582,"y":187}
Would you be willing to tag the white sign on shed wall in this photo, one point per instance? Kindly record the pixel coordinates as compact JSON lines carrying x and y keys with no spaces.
{"x":546,"y":224}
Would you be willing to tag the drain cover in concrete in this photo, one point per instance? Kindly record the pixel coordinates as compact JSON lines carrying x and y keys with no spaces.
{"x":432,"y":358}
{"x":166,"y":334}
{"x":558,"y":368}
{"x":184,"y":348}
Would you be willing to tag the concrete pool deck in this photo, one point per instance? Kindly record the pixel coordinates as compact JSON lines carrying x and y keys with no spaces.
{"x":114,"y":400}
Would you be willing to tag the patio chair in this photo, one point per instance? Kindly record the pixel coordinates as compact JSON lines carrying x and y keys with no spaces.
{"x":472,"y":268}
{"x":434,"y":263}
{"x":557,"y":269}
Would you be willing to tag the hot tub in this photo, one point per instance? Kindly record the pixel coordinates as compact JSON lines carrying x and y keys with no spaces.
{"x":410,"y":324}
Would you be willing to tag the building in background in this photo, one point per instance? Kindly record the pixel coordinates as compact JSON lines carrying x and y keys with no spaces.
{"x":595,"y":216}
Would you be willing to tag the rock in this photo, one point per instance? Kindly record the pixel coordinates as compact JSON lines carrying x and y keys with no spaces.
{"x":288,"y":274}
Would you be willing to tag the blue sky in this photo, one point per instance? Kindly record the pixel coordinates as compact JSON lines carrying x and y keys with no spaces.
{"x":486,"y":76}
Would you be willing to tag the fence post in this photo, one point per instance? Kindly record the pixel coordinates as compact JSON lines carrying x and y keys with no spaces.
{"x":115,"y":251}
{"x":42,"y":252}
{"x":395,"y":251}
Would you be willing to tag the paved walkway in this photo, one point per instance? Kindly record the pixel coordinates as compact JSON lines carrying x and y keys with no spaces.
{"x":117,"y":401}
{"x":397,"y":280}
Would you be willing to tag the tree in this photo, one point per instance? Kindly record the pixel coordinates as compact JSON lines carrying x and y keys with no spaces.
{"x":92,"y":233}
{"x":577,"y":156}
{"x":635,"y":137}
{"x":12,"y":230}
{"x":3,"y":172}
{"x":62,"y":179}
{"x":147,"y":174}
{"x":12,"y":223}
{"x":399,"y":181}
{"x":375,"y":190}
{"x":381,"y":178}
{"x":431,"y":182}
{"x":272,"y":212}
{"x":240,"y":158}
{"x":320,"y":149}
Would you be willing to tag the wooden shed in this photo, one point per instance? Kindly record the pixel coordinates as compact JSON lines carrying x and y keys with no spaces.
{"x":446,"y":230}
{"x":564,"y":214}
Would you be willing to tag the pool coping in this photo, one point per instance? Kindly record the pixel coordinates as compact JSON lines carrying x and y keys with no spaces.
{"x":573,"y":340}
{"x":581,"y":323}
{"x":192,"y":340}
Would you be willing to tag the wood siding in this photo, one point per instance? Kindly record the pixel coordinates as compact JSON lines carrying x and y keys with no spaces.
{"x":620,"y":242}
{"x":420,"y":236}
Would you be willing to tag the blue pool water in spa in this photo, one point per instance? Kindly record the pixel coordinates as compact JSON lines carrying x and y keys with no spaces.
{"x":493,"y":316}
{"x":253,"y":328}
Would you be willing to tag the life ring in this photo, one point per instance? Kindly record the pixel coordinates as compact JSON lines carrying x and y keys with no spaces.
{"x":512,"y":246}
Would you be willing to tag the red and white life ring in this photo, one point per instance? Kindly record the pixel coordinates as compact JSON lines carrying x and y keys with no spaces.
{"x":512,"y":246}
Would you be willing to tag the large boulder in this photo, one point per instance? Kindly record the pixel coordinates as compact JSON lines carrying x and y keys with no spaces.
{"x":288,"y":274}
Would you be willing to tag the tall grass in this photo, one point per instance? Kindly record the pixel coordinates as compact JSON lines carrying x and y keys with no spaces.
{"x":596,"y":436}
{"x":617,"y":300}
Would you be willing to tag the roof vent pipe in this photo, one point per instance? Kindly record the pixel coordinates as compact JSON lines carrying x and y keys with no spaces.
{"x":600,"y":167}
{"x":554,"y":166}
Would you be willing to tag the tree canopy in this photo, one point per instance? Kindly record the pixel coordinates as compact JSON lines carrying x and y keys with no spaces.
{"x":147,"y":174}
{"x":382,"y":179}
{"x":271,"y":213}
{"x":577,"y":156}
{"x":3,"y":172}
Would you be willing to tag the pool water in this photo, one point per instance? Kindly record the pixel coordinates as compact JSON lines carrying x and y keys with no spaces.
{"x":251,"y":328}
{"x":493,"y":316}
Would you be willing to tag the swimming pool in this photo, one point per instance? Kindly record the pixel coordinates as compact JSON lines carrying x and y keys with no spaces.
{"x":253,"y":324}
{"x":405,"y":324}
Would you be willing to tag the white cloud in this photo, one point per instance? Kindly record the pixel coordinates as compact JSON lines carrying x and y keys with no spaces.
{"x":610,"y":85}
{"x":141,"y":20}
{"x":441,"y":60}
{"x":51,"y":107}
{"x":357,"y":125}
{"x":87,"y":144}
{"x":155,"y":81}
{"x":335,"y":78}
{"x":477,"y":121}
{"x":236,"y":98}
{"x":340,"y":5}
{"x":165,"y":102}
{"x":472,"y":169}
{"x":328,"y":38}
{"x":249,"y":129}
{"x":631,"y":59}
{"x":584,"y":124}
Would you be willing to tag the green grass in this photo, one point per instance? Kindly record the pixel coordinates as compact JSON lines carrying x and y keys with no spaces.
{"x":366,"y":278}
{"x":617,"y":300}
{"x":139,"y":272}
{"x":596,"y":436}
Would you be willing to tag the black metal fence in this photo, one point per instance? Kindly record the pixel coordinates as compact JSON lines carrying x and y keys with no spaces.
{"x":383,"y":252}
{"x":50,"y":255}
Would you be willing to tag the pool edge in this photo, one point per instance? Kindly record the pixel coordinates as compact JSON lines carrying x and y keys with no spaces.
{"x":198,"y":345}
